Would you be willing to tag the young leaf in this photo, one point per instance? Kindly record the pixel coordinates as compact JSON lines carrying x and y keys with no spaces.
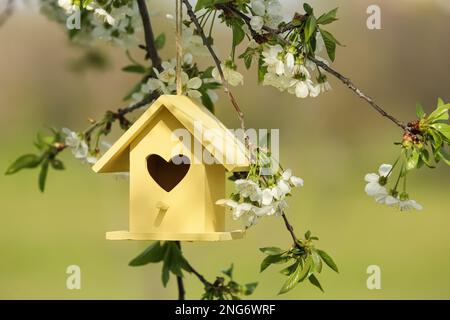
{"x":328,"y":260}
{"x":328,"y":18}
{"x":315,"y":282}
{"x":310,"y":28}
{"x":203,"y":4}
{"x":289,"y":270}
{"x":134,"y":68}
{"x":250,"y":288}
{"x":308,"y":9}
{"x":57,"y":164}
{"x":160,"y":41}
{"x":229,"y":272}
{"x":330,"y":43}
{"x":27,"y":161}
{"x":317,"y":261}
{"x":413,"y":160}
{"x":420,"y":112}
{"x":154,"y":253}
{"x":238,"y":33}
{"x":298,"y":276}
{"x":443,"y":128}
{"x":272,"y":251}
{"x":272,"y":260}
{"x":444,"y":156}
{"x":440,"y":113}
{"x":43,"y":175}
{"x":165,"y":275}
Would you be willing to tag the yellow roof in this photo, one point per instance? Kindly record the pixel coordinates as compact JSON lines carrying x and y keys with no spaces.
{"x":187,"y":112}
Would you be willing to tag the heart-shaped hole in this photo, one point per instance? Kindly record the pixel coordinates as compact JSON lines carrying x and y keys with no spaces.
{"x":168,"y":174}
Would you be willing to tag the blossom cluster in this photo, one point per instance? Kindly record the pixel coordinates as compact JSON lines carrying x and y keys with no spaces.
{"x":288,"y":70}
{"x":376,"y":188}
{"x":255,"y":197}
{"x":265,"y":12}
{"x":77,"y":144}
{"x":117,"y":25}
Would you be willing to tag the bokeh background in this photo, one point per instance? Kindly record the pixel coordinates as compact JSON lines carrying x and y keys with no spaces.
{"x":331,"y":141}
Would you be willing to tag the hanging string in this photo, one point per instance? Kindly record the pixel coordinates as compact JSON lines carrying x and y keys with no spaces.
{"x":179,"y":30}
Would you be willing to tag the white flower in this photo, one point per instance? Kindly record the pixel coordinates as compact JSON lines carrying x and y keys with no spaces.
{"x":290,"y":61}
{"x":279,"y":82}
{"x":233,"y":77}
{"x":67,"y":5}
{"x":74,"y":141}
{"x":193,"y":43}
{"x":237,"y":209}
{"x":303,"y":88}
{"x":325,"y":86}
{"x":267,"y":197}
{"x":102,"y":13}
{"x":191,"y":85}
{"x":272,"y":61}
{"x":151,"y":85}
{"x":406,"y":205}
{"x":258,"y":7}
{"x":168,"y":75}
{"x":256,"y":23}
{"x":273,"y":8}
{"x":373,"y":187}
{"x":248,"y":189}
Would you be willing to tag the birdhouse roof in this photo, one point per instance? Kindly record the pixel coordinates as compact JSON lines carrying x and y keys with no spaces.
{"x":187,"y":112}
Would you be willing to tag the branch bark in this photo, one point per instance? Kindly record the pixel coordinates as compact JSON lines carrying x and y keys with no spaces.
{"x":217,"y":62}
{"x":276,"y":33}
{"x":180,"y":284}
{"x":152,"y":52}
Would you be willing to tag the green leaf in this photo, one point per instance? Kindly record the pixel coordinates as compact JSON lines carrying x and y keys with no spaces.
{"x":27,"y":161}
{"x":250,"y":288}
{"x":43,"y":175}
{"x":425,"y":157}
{"x":443,"y":129}
{"x":229,"y":272}
{"x":272,"y":251}
{"x":289,"y":270}
{"x":134,"y":68}
{"x":160,"y":41}
{"x":315,"y":282}
{"x":272,"y":260}
{"x":238,"y":33}
{"x":328,"y":18}
{"x":330,"y":43}
{"x":328,"y":260}
{"x":441,"y":112}
{"x":165,"y":274}
{"x":154,"y":253}
{"x":420,"y":112}
{"x":437,"y":139}
{"x":308,"y":9}
{"x":307,"y":235}
{"x":310,"y":28}
{"x":201,"y":4}
{"x":413,"y":160}
{"x":317,"y":261}
{"x":299,"y":275}
{"x":57,"y":164}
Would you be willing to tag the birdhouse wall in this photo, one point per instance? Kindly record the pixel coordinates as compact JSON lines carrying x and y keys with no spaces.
{"x":188,"y":207}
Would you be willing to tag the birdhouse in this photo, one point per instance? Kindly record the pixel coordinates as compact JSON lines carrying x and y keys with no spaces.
{"x":177,"y":154}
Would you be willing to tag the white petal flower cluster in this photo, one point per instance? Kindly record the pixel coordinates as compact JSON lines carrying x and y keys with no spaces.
{"x":253,"y":199}
{"x":376,"y":188}
{"x":78,"y":145}
{"x":102,"y":22}
{"x":287,"y":70}
{"x":265,"y":12}
{"x":165,"y":82}
{"x":230,"y":74}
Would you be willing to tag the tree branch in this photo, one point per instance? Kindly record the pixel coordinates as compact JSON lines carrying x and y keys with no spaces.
{"x":152,"y":52}
{"x":217,"y":62}
{"x":180,"y":284}
{"x":276,"y":33}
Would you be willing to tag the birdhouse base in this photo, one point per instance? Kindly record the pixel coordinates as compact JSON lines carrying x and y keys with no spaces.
{"x":207,"y":236}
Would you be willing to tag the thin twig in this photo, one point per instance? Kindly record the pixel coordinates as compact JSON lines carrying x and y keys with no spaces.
{"x":217,"y":62}
{"x":7,"y":12}
{"x":180,"y":284}
{"x":290,"y":228}
{"x":276,"y":33}
{"x":152,"y":52}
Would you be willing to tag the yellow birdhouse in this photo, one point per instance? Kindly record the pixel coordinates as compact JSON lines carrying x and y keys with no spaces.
{"x":177,"y":154}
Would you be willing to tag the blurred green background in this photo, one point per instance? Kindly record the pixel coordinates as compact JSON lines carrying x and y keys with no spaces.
{"x":331,"y":141}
